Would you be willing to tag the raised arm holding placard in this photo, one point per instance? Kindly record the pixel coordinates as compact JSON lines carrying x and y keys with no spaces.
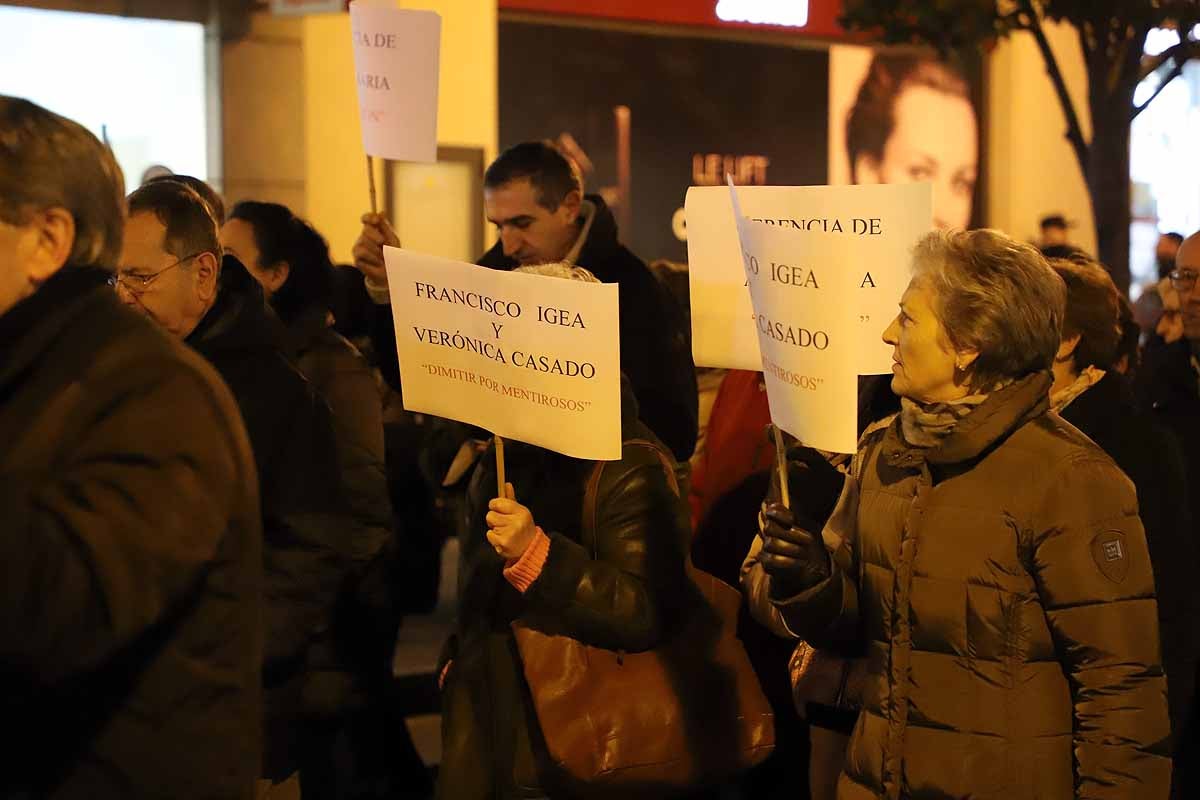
{"x":534,"y":197}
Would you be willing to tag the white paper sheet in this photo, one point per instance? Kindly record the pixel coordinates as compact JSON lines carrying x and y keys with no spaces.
{"x":865,"y":231}
{"x":396,"y":69}
{"x":528,"y":357}
{"x":807,"y":331}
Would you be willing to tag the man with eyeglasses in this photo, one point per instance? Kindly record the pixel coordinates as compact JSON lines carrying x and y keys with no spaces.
{"x":1170,"y":386}
{"x":131,"y":572}
{"x":172,"y":271}
{"x":1170,"y":376}
{"x":1183,"y":280}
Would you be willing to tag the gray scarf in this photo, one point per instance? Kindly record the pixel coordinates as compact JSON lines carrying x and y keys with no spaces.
{"x":927,"y":424}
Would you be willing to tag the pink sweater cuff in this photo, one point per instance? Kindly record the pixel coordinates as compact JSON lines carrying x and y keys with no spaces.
{"x":522,"y":572}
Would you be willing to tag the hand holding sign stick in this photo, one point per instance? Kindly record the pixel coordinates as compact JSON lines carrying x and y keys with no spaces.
{"x":500,"y":351}
{"x":511,"y":527}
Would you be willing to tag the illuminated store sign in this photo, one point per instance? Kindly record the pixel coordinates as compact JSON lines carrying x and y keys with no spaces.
{"x":789,"y":13}
{"x":811,"y":19}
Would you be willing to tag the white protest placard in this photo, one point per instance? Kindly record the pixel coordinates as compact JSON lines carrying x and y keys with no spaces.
{"x":396,"y":69}
{"x":527,"y":357}
{"x":868,"y":231}
{"x":807,"y":331}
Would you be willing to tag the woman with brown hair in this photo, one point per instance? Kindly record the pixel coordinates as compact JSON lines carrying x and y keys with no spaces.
{"x":986,"y":556}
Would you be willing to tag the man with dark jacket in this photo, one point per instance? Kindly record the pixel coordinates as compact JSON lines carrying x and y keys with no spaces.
{"x":130,"y":548}
{"x":1169,"y":386}
{"x":1093,"y":397}
{"x":172,"y":271}
{"x":534,"y":197}
{"x":1170,"y":376}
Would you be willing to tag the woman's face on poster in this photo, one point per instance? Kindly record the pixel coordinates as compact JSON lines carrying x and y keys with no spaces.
{"x":935,"y":140}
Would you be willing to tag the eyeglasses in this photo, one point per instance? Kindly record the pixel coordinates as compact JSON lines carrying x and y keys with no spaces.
{"x":1182,"y":280}
{"x":137,"y":284}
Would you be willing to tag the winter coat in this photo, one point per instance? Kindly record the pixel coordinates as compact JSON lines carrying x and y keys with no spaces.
{"x":305,"y":523}
{"x":1169,"y":388}
{"x":656,"y":351}
{"x":366,"y":616}
{"x":345,"y":381}
{"x":130,"y":559}
{"x":1150,"y":456}
{"x":1002,"y":587}
{"x":621,"y":600}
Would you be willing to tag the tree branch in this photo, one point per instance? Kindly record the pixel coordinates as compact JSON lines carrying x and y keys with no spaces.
{"x":1188,"y":48}
{"x":1127,"y":71}
{"x":1017,"y":20}
{"x":1086,"y":44}
{"x":1123,"y":53}
{"x":1175,"y":72}
{"x":1074,"y":129}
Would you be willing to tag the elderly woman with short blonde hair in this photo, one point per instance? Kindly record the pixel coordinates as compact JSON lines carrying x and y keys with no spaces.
{"x":987,"y":558}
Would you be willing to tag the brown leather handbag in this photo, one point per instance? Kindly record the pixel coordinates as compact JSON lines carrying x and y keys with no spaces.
{"x":688,"y":712}
{"x":818,"y":677}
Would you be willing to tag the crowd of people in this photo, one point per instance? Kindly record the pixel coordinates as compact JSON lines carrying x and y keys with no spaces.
{"x":217,"y":513}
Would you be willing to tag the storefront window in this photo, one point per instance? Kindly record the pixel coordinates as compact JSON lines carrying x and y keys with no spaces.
{"x":139,"y":83}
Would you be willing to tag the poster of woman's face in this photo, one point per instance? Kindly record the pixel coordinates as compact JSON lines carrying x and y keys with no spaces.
{"x":899,"y":117}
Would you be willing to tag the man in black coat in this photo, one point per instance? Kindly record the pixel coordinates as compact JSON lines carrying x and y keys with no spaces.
{"x":1093,"y":397}
{"x":173,"y":272}
{"x":130,"y":542}
{"x":1170,"y":376}
{"x":534,"y":197}
{"x":1169,"y":387}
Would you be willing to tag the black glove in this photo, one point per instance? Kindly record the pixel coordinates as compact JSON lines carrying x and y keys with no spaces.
{"x":795,"y":559}
{"x":815,"y":483}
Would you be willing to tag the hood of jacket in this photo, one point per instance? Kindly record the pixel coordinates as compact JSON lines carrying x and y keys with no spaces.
{"x":240,"y":320}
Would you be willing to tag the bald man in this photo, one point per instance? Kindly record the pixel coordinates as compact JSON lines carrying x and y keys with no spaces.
{"x":1170,"y":375}
{"x":1184,"y":279}
{"x":1170,"y":386}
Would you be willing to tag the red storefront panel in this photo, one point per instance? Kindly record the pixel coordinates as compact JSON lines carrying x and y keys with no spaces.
{"x":822,"y":14}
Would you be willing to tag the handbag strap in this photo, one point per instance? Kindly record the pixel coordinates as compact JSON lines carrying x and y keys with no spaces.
{"x":592,"y":492}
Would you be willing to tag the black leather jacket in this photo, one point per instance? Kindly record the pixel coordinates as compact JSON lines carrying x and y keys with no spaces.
{"x":623,"y":598}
